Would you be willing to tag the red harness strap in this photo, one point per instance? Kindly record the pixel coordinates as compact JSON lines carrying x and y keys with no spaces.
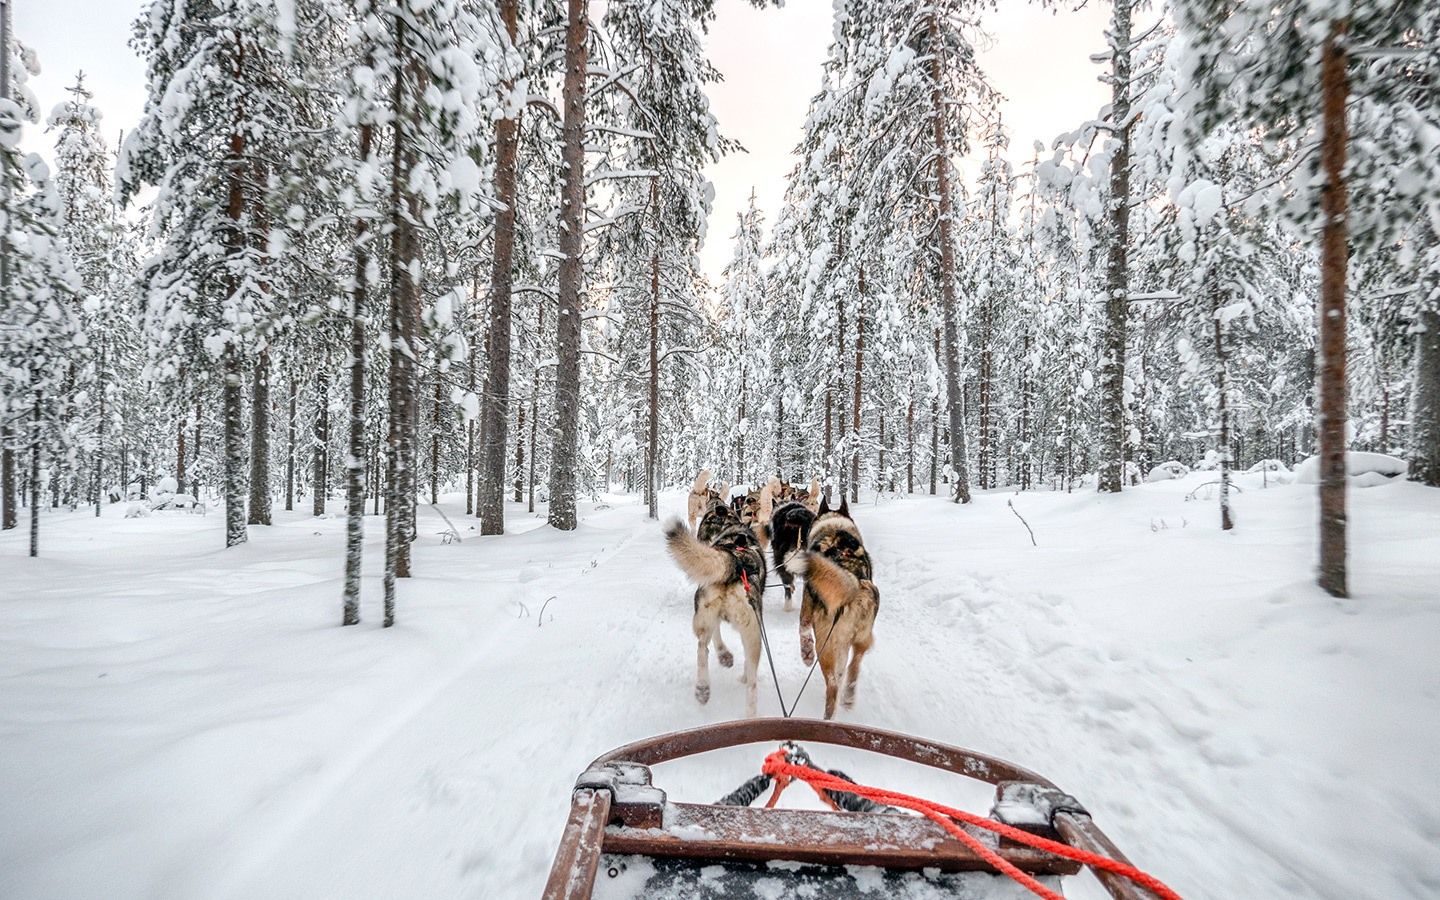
{"x":782,"y":770}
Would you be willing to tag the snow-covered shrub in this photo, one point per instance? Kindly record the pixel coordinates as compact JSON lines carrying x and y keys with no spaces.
{"x":1167,"y":471}
{"x":1365,"y":469}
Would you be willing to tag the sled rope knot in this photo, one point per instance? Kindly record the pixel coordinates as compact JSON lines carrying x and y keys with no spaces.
{"x":778,"y":765}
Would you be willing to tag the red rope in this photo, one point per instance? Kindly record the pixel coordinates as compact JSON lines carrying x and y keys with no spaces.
{"x":778,"y":767}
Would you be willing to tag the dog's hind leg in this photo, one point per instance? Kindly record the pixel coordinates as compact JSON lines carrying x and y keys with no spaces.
{"x":751,"y":638}
{"x":722,"y":653}
{"x":807,"y":630}
{"x":852,"y":674}
{"x":832,"y":668}
{"x":706,"y":627}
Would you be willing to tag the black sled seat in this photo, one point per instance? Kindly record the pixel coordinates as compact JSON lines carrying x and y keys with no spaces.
{"x":625,"y":839}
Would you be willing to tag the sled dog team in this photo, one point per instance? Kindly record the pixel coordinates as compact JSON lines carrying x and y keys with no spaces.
{"x":723,"y":552}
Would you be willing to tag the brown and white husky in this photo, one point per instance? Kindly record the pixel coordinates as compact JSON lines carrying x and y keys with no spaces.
{"x":840,"y":601}
{"x":728,"y":568}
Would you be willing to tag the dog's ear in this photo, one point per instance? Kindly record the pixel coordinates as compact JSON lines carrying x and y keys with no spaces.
{"x":824,"y":504}
{"x":845,"y":507}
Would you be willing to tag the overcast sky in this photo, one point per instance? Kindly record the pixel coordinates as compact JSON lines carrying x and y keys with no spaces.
{"x":770,"y":58}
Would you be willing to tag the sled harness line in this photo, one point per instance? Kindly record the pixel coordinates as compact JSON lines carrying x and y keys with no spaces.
{"x":770,"y":657}
{"x":778,"y":765}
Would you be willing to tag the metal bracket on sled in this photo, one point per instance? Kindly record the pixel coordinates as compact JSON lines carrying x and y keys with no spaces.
{"x":1033,"y":807}
{"x":634,"y":801}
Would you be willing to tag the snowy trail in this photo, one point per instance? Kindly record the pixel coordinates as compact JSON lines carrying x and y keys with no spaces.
{"x":1183,"y":684}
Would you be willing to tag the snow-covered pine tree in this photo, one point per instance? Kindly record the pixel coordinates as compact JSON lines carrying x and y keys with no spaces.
{"x":41,"y":344}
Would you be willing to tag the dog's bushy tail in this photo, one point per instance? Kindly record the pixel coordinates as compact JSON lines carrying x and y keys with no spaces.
{"x":834,"y":585}
{"x":702,"y":563}
{"x":701,"y":481}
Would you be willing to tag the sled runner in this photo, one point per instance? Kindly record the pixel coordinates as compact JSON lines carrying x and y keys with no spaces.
{"x":625,"y":839}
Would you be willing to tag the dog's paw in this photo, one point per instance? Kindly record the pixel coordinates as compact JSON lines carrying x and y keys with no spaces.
{"x":702,"y":693}
{"x":847,"y":699}
{"x":725,"y":658}
{"x":799,"y":564}
{"x":807,"y":649}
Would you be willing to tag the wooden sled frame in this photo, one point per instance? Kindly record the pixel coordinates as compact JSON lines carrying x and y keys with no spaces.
{"x":615,"y":809}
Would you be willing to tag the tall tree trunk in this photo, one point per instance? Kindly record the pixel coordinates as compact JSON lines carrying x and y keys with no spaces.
{"x":195,"y":452}
{"x":910,"y":447}
{"x":1117,"y":274}
{"x":436,"y":404}
{"x":102,"y":432}
{"x":534,"y":429}
{"x":955,"y":401}
{"x":859,"y":369}
{"x":235,"y":532}
{"x":837,"y":464}
{"x":290,"y":446}
{"x":400,"y":481}
{"x":564,"y":457}
{"x":1334,"y":262}
{"x":35,"y":477}
{"x":779,"y":434}
{"x":10,"y":517}
{"x":320,"y":443}
{"x":260,"y":441}
{"x":495,"y":403}
{"x":1425,"y":403}
{"x":355,"y":456}
{"x":1222,"y":378}
{"x":520,"y":454}
{"x":652,"y":439}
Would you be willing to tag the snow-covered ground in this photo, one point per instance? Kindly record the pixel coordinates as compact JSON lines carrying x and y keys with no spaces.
{"x":179,"y":720}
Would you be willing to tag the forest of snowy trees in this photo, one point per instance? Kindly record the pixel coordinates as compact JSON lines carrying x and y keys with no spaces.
{"x":370,"y":252}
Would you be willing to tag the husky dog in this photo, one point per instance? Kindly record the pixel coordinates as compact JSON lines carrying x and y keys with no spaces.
{"x":787,"y":531}
{"x":729,"y":571}
{"x":840,"y":601}
{"x":702,"y":495}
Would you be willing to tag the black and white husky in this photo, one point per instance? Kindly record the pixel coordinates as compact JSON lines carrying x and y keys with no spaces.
{"x":728,"y":568}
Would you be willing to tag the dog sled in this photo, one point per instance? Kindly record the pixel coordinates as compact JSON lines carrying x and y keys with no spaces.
{"x":625,"y":839}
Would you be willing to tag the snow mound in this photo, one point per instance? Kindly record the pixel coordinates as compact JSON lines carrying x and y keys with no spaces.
{"x":1167,"y":471}
{"x":1267,"y":465}
{"x":1359,"y":465}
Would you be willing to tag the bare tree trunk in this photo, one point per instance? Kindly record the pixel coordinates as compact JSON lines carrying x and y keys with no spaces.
{"x":1334,"y":263}
{"x":35,"y":477}
{"x":260,"y":441}
{"x":437,"y":400}
{"x":534,"y":422}
{"x":180,"y":455}
{"x":910,"y":447}
{"x":320,"y":444}
{"x":495,"y":403}
{"x":1222,"y":377}
{"x":11,"y":515}
{"x":859,"y":369}
{"x":1117,"y":280}
{"x":1425,"y":405}
{"x":652,"y":439}
{"x":355,"y":456}
{"x":520,"y":455}
{"x":102,"y":432}
{"x":954,"y":398}
{"x":564,"y":457}
{"x":779,"y":435}
{"x":400,"y":483}
{"x":235,"y":532}
{"x":290,"y":446}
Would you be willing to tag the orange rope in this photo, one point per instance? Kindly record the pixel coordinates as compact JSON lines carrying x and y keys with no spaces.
{"x":780,"y":768}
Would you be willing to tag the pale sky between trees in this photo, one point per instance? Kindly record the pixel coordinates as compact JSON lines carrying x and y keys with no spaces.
{"x":770,"y":58}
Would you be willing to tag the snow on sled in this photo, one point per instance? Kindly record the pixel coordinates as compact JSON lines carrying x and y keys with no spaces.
{"x":626,"y":839}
